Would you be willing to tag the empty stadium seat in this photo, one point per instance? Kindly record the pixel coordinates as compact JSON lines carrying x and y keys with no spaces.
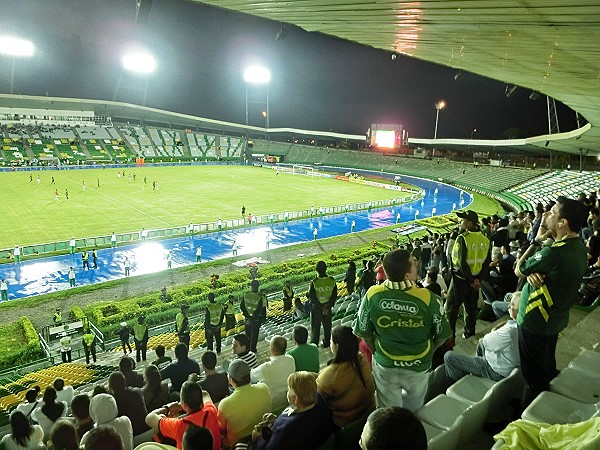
{"x":587,"y":361}
{"x":438,"y":439}
{"x":552,"y":408}
{"x":578,"y":385}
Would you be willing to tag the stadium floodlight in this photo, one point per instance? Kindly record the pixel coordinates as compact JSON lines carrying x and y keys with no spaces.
{"x":140,"y":62}
{"x":439,"y":105}
{"x":16,"y":47}
{"x":258,"y":75}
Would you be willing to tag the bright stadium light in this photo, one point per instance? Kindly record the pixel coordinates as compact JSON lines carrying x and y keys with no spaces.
{"x":257,"y":75}
{"x":439,"y":105}
{"x":17,"y":47}
{"x":140,"y":62}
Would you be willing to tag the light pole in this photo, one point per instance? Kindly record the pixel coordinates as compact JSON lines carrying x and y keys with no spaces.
{"x":258,"y":75}
{"x":473,"y":131}
{"x":15,"y":48}
{"x":439,"y":105}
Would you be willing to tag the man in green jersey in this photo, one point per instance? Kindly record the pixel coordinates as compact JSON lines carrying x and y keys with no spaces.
{"x":322,"y":295}
{"x":213,"y":319}
{"x":252,"y":307}
{"x":140,"y":337}
{"x":553,"y":275}
{"x":403,"y":325}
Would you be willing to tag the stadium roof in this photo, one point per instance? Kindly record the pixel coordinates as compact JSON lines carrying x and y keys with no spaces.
{"x":548,"y":46}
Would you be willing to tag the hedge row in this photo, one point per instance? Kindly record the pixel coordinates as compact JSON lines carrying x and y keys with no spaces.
{"x":26,"y":345}
{"x":160,"y":308}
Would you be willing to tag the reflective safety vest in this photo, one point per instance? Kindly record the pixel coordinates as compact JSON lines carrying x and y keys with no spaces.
{"x":214,"y":313}
{"x":88,"y":339}
{"x":85,"y":256}
{"x":139,"y":331}
{"x":251,"y":300}
{"x":230,"y":311}
{"x":478,"y":247}
{"x":181,"y":322}
{"x":57,"y":318}
{"x":65,"y":343}
{"x":323,"y":288}
{"x":288,"y":291}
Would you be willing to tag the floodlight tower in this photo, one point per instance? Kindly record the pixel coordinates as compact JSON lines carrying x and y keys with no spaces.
{"x":439,"y":105}
{"x":258,"y":75}
{"x":15,"y":48}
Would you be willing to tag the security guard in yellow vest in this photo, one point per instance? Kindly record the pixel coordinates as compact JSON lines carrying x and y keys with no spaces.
{"x":213,"y":319}
{"x":252,"y":306}
{"x":57,"y":318}
{"x":89,"y":345}
{"x":322,"y":295}
{"x":65,"y":347}
{"x":140,"y":338}
{"x":288,"y":296}
{"x":471,"y":256}
{"x":182,"y":325}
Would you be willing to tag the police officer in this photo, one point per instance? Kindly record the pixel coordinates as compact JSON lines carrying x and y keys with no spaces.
{"x":252,"y":307}
{"x":230,"y":313}
{"x":89,"y":345}
{"x":57,"y":318}
{"x":471,"y":256}
{"x":85,"y":258}
{"x":322,"y":295}
{"x":95,"y":258}
{"x":140,"y":338}
{"x":213,"y":319}
{"x":65,"y":347}
{"x":182,"y":325}
{"x":288,"y":296}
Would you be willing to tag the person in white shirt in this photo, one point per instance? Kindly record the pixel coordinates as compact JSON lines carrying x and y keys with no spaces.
{"x":23,"y":435}
{"x":63,"y":393}
{"x":275,"y":372}
{"x":50,"y":411}
{"x":497,"y":352}
{"x":103,"y":411}
{"x":17,"y":253}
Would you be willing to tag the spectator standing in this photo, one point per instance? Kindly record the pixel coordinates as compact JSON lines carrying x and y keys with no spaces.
{"x":402,"y":324}
{"x":553,"y":277}
{"x":322,"y":295}
{"x":350,"y":277}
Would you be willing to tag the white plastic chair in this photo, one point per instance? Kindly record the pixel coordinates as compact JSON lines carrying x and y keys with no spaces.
{"x":578,"y":385}
{"x":443,"y":439}
{"x":442,"y":411}
{"x":587,"y":361}
{"x":552,"y":408}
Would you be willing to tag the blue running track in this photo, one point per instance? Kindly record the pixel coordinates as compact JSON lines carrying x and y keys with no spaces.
{"x":45,"y":275}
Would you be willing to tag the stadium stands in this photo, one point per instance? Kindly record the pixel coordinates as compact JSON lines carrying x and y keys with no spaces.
{"x":550,"y":185}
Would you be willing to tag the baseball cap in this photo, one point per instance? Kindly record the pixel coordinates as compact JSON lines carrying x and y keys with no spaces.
{"x":238,"y":369}
{"x":470,"y":215}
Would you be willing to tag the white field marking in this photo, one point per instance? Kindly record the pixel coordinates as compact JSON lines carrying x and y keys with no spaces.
{"x":121,"y":202}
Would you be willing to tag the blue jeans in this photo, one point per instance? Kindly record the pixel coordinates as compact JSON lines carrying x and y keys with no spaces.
{"x":458,"y":365}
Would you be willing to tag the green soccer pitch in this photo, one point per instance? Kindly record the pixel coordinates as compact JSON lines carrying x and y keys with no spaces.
{"x":188,"y":194}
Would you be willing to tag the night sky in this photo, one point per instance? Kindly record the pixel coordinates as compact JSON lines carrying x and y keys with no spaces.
{"x":318,"y":82}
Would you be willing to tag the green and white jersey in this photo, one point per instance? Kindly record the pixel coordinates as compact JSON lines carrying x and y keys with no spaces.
{"x":403,"y":320}
{"x":546,"y":310}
